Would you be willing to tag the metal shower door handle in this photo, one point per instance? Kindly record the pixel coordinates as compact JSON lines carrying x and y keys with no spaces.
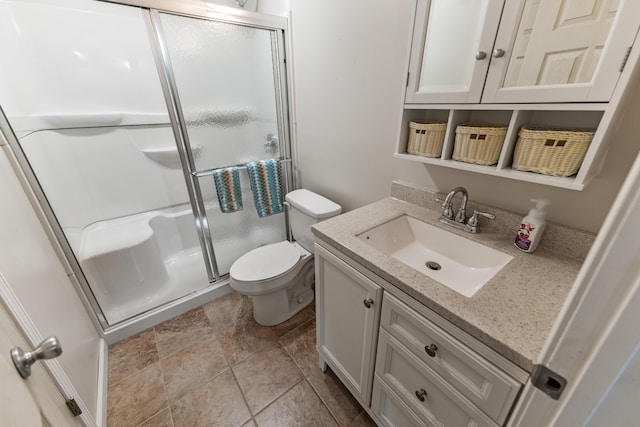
{"x":271,"y":146}
{"x":48,"y":349}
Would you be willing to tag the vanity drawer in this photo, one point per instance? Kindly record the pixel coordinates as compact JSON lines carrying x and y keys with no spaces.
{"x":420,"y":388}
{"x":488,"y":387}
{"x":389,"y":409}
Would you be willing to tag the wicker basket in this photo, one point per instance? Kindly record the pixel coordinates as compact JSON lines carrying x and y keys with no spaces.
{"x":551,"y":151}
{"x":426,"y":138}
{"x":479,"y":143}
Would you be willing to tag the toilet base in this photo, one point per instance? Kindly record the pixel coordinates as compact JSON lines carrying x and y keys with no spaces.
{"x":276,"y":307}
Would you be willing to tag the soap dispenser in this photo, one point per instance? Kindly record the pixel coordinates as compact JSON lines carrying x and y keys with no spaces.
{"x":532,"y":227}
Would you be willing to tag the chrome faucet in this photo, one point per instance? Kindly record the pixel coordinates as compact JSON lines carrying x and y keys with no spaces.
{"x":460,"y":220}
{"x":447,"y":210}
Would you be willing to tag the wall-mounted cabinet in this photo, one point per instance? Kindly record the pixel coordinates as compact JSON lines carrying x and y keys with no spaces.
{"x":550,"y":64}
{"x":519,"y":51}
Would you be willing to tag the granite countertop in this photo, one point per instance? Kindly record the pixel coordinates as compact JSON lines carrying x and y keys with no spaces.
{"x":512,"y":314}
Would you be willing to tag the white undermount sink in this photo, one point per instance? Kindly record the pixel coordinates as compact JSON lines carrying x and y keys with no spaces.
{"x":458,"y":263}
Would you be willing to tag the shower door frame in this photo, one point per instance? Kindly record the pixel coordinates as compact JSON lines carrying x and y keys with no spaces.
{"x":191,"y":9}
{"x":277,"y":27}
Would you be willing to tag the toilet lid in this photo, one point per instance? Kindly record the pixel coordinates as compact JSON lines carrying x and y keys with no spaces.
{"x":265,"y":262}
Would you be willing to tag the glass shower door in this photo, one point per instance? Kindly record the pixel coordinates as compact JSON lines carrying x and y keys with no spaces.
{"x":86,"y":108}
{"x":228,"y":83}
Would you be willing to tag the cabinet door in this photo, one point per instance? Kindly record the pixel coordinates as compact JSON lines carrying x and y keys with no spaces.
{"x":348,"y":314}
{"x":561,"y":50}
{"x":451,"y":48}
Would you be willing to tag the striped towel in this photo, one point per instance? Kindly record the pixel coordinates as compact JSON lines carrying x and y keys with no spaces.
{"x":227,"y":182}
{"x":264,"y":176}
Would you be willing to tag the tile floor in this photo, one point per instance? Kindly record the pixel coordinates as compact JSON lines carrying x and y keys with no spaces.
{"x":214,"y":366}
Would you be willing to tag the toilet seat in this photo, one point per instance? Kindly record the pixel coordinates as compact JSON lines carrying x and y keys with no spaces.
{"x":266,"y":262}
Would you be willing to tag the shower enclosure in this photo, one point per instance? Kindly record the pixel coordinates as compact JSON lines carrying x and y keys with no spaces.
{"x":119,"y":114}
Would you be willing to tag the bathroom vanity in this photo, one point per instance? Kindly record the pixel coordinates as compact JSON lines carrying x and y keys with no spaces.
{"x":414,"y":352}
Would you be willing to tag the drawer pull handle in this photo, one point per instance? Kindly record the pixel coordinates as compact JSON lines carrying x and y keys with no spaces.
{"x":368,"y":303}
{"x":421,"y":394}
{"x":431,"y":350}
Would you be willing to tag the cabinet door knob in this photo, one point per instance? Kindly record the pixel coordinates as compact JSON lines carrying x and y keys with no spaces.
{"x":421,"y":394}
{"x":368,"y":303}
{"x":481,"y":55}
{"x":431,"y":349}
{"x":498,"y":53}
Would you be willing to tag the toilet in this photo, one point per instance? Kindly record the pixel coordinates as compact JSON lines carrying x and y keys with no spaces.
{"x":279,"y":277}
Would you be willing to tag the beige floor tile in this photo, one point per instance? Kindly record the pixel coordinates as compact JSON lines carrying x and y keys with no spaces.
{"x":161,"y":419}
{"x":265,"y":376}
{"x":131,"y":355}
{"x":240,"y":336}
{"x":182,"y":331}
{"x":363,"y":420}
{"x":299,"y":407}
{"x":217,"y":403}
{"x":191,"y":367}
{"x":136,"y":398}
{"x":301,"y":346}
{"x":342,"y":405}
{"x":224,"y":312}
{"x":298,"y":319}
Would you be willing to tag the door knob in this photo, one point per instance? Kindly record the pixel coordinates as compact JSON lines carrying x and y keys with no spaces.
{"x":498,"y":53}
{"x":48,"y":349}
{"x":480,"y":55}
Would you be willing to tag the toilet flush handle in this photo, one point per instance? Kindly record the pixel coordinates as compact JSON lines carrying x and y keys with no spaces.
{"x":368,"y":303}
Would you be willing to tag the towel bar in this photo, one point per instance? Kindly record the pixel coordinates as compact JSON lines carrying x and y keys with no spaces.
{"x":242,"y":166}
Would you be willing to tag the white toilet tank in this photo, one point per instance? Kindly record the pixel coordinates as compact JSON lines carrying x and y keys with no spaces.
{"x":306,"y":209}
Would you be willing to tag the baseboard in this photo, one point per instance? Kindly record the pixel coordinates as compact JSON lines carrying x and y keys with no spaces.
{"x":103,"y":375}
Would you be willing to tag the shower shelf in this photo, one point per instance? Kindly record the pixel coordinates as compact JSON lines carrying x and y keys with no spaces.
{"x":168,"y":156}
{"x":35,"y":122}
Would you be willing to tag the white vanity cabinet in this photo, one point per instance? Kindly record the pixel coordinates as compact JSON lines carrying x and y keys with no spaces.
{"x":405,"y":364}
{"x":348,"y":309}
{"x":527,"y":50}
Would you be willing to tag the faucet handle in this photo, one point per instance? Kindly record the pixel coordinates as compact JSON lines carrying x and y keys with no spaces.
{"x":473,"y":221}
{"x":447,"y":212}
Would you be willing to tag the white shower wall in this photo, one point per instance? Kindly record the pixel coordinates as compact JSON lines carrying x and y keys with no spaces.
{"x":86,"y":122}
{"x":57,"y":78}
{"x":95,"y":174}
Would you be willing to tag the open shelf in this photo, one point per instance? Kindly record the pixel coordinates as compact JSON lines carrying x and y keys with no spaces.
{"x":514,"y":116}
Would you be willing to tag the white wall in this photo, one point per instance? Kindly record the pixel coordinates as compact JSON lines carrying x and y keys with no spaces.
{"x":350,"y":62}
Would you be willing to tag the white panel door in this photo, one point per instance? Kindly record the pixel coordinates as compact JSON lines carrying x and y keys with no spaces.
{"x":38,"y":283}
{"x":561,"y":50}
{"x":31,"y":402}
{"x":595,"y":340}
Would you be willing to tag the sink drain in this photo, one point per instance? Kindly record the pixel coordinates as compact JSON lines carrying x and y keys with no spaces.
{"x":432,"y":265}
